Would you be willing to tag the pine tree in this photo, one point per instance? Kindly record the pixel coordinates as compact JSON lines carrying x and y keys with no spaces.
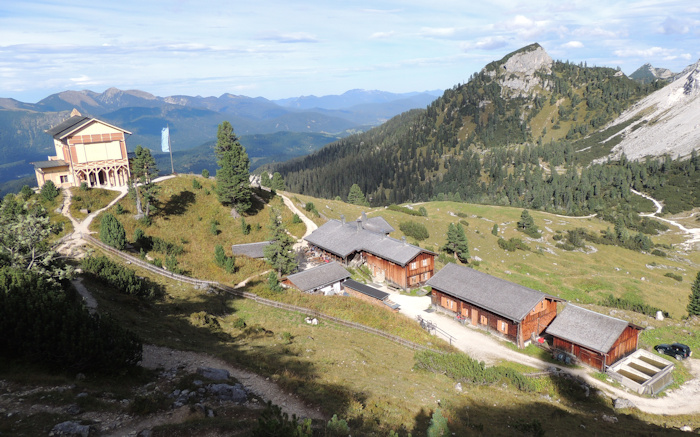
{"x":143,"y":171}
{"x":277,"y":182}
{"x":694,"y":298}
{"x":265,"y":180}
{"x":112,"y":232}
{"x":280,"y":252}
{"x":233,"y":175}
{"x":457,"y":243}
{"x":49,"y":191}
{"x":356,"y":197}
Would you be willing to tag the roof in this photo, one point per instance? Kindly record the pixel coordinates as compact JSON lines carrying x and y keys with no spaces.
{"x":365,"y":289}
{"x":376,"y":224}
{"x":587,"y":328}
{"x":50,"y":164}
{"x":496,"y":295}
{"x":251,"y":250}
{"x":74,"y":123}
{"x":318,"y":277}
{"x":343,"y":239}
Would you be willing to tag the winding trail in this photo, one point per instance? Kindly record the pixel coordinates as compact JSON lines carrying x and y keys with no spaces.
{"x":693,"y":233}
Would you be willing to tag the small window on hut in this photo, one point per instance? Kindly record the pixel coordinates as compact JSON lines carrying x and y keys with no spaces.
{"x":484,"y":320}
{"x":424,"y":263}
{"x":414,"y":265}
{"x":503,"y":326}
{"x":64,"y":179}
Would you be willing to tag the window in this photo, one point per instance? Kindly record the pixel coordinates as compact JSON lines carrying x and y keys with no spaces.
{"x":64,"y":179}
{"x":503,"y":326}
{"x":414,"y":265}
{"x":484,"y":320}
{"x":425,"y":276}
{"x":424,"y":263}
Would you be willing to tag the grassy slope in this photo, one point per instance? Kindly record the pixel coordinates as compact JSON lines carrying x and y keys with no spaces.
{"x":350,"y":373}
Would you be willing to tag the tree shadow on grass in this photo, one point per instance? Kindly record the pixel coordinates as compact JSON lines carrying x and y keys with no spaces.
{"x":178,"y":204}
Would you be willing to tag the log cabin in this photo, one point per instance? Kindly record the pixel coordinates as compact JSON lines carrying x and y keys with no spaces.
{"x":595,"y":339}
{"x":87,"y":150}
{"x":366,"y":241}
{"x":510,"y":310}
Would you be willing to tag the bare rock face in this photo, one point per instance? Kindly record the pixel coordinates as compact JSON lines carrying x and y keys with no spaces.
{"x":518,"y":72}
{"x":692,"y":83}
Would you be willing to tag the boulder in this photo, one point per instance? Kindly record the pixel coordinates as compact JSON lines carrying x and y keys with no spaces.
{"x":226,"y":392}
{"x":70,"y":429}
{"x":621,"y":403}
{"x":213,"y":374}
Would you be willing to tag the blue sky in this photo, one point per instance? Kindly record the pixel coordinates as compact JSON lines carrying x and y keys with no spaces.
{"x":279,"y":48}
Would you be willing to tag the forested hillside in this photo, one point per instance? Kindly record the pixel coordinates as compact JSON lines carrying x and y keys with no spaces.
{"x":520,"y":132}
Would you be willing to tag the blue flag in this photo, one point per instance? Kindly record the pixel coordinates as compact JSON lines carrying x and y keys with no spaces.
{"x":165,"y":139}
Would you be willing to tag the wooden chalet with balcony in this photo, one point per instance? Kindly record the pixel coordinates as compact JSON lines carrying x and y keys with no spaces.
{"x":367,"y":241}
{"x":515,"y":312}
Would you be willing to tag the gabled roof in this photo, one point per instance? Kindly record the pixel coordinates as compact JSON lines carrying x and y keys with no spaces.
{"x":343,"y":239}
{"x":75,"y":123}
{"x":377,"y":224}
{"x":318,"y":277}
{"x":49,"y":164}
{"x":498,"y":296}
{"x":365,"y":289}
{"x":251,"y":250}
{"x":587,"y":328}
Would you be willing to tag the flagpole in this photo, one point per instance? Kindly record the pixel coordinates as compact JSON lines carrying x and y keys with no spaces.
{"x":170,"y":147}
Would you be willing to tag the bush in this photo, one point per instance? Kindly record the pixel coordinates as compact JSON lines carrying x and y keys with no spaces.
{"x":112,"y":232}
{"x":43,"y":323}
{"x":245,"y":227}
{"x":49,"y":191}
{"x":678,"y":278}
{"x":512,"y":244}
{"x":166,"y":247}
{"x":118,"y":277}
{"x":119,"y":209}
{"x":627,"y":304}
{"x":405,"y":210}
{"x":196,"y":185}
{"x":414,"y":230}
{"x":205,"y":173}
{"x":84,"y":186}
{"x":494,"y":230}
{"x":227,"y":263}
{"x":213,"y":227}
{"x":296,"y":219}
{"x":660,"y":253}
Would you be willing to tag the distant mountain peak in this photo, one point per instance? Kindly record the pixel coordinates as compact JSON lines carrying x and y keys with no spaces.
{"x":648,"y":73}
{"x":517,"y":70}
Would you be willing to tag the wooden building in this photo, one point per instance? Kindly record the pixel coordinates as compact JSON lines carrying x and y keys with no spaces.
{"x":87,"y":150}
{"x":393,"y":261}
{"x":595,"y":339}
{"x":515,"y":312}
{"x":326,"y":279}
{"x":369,"y":294}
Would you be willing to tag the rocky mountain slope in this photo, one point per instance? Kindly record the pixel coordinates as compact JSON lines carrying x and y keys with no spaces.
{"x":665,"y":122}
{"x":647,"y":74}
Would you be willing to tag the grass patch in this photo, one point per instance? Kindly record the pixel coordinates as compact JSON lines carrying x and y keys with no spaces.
{"x":92,"y":199}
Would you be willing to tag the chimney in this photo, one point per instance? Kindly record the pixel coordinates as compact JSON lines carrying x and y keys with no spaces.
{"x":359,"y":225}
{"x":364,"y":217}
{"x":404,"y":241}
{"x":342,"y":218}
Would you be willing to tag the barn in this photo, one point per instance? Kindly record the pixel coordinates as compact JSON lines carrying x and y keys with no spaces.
{"x":595,"y":339}
{"x":366,"y":241}
{"x":515,"y":312}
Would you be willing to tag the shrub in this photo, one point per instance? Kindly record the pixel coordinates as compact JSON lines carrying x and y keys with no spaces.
{"x":45,"y":324}
{"x":512,"y":244}
{"x":627,"y":304}
{"x":423,"y":212}
{"x":660,"y":253}
{"x":84,"y":186}
{"x":296,"y":219}
{"x":405,"y":210}
{"x":196,"y":185}
{"x":245,"y":227}
{"x":118,"y":277}
{"x":272,"y":282}
{"x":49,"y":191}
{"x":166,"y":247}
{"x":494,"y":230}
{"x":273,"y":422}
{"x":205,"y":173}
{"x":213,"y":227}
{"x":671,"y":275}
{"x":414,"y":230}
{"x":112,"y":232}
{"x":119,"y":209}
{"x":26,"y":192}
{"x":337,"y":427}
{"x":227,"y":263}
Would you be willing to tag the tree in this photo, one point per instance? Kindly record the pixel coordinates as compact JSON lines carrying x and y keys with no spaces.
{"x":273,"y":283}
{"x":527,"y":225}
{"x":457,"y":243}
{"x":280,"y":252}
{"x":494,"y":230}
{"x":143,"y":171}
{"x":49,"y":191}
{"x":277,"y":182}
{"x":438,"y":425}
{"x":356,"y":197}
{"x":694,"y":298}
{"x":112,"y":232}
{"x":265,"y":180}
{"x":233,"y":175}
{"x":24,"y":232}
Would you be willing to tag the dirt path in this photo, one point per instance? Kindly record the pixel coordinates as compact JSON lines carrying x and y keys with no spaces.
{"x":692,"y":233}
{"x":310,"y":225}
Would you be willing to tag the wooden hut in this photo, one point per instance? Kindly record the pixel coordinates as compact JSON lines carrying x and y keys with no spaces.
{"x":325,"y":279}
{"x":518,"y":313}
{"x":393,"y":261}
{"x":595,"y":339}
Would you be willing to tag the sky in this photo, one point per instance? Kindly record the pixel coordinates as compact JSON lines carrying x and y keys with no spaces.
{"x":287,"y":48}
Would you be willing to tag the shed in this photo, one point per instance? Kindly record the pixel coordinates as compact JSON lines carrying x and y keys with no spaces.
{"x":595,"y":339}
{"x":251,"y":250}
{"x":512,"y":310}
{"x":325,"y":279}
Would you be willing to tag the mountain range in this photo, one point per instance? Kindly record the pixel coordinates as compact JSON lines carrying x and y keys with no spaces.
{"x":193,"y":121}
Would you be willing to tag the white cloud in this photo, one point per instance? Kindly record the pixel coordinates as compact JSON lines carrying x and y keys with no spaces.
{"x":489,"y":43}
{"x":573,"y":45}
{"x":675,"y":26}
{"x":643,"y":53}
{"x":382,"y":35}
{"x":287,"y":38}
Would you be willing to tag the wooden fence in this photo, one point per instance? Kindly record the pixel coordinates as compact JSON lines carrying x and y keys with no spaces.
{"x":246,"y":295}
